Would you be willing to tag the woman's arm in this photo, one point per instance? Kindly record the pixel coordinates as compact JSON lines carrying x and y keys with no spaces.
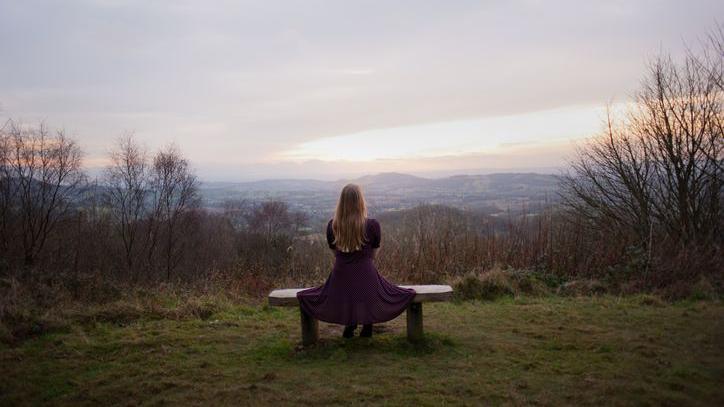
{"x":330,"y":237}
{"x":376,"y":238}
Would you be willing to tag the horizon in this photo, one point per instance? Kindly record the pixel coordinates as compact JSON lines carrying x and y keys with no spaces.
{"x":97,"y":172}
{"x":351,"y":178}
{"x":252,"y":91}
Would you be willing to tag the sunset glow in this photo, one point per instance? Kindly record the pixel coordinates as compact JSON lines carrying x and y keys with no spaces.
{"x":461,"y":137}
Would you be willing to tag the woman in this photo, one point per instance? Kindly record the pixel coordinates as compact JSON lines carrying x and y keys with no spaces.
{"x":355,"y":293}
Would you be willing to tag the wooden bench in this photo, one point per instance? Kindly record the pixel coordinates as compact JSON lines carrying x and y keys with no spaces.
{"x":310,"y":327}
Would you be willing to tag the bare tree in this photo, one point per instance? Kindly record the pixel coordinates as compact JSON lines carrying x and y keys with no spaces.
{"x":711,"y":57}
{"x":299,"y":221}
{"x":237,"y":211}
{"x":270,"y":219}
{"x":710,"y":60}
{"x":609,"y":183}
{"x":678,"y":125}
{"x":127,"y":182}
{"x":175,"y":191}
{"x":657,"y":171}
{"x":41,"y":176}
{"x":8,"y":191}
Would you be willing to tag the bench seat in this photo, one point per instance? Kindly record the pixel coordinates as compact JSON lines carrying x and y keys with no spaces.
{"x":287,"y":297}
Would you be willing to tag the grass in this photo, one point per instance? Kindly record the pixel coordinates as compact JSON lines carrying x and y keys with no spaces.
{"x":549,"y":350}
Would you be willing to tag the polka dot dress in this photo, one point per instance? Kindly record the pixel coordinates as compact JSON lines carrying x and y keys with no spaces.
{"x":355,"y":292}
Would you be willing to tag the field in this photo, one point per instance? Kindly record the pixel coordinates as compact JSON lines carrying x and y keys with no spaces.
{"x":550,"y":351}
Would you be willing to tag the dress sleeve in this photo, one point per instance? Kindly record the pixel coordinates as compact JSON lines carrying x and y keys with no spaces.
{"x":330,"y":236}
{"x":376,"y":234}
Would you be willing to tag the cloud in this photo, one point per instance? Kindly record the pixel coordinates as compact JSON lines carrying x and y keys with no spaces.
{"x":458,"y":137}
{"x":244,"y":82}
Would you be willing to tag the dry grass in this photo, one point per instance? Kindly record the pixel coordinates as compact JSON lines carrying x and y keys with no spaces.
{"x":30,"y":308}
{"x":499,"y":282}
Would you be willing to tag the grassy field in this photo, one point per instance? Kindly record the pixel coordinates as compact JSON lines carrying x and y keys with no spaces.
{"x":548,"y":351}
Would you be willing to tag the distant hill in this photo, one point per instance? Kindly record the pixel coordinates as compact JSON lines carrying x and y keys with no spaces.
{"x":394,"y":191}
{"x":394,"y":180}
{"x":389,"y":179}
{"x":274,"y":185}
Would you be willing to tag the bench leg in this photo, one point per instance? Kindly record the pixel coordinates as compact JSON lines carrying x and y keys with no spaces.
{"x":414,"y":322}
{"x":310,"y":328}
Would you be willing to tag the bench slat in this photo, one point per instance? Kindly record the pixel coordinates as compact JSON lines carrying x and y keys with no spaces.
{"x":287,"y":297}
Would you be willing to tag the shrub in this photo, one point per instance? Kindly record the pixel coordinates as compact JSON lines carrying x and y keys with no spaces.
{"x":485,"y":286}
{"x":5,"y":335}
{"x":527,"y":282}
{"x":703,"y":289}
{"x":196,"y":308}
{"x":499,"y":282}
{"x":582,"y":288}
{"x":118,"y":312}
{"x":650,"y":300}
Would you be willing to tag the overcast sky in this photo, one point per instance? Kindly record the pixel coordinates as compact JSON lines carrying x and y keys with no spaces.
{"x":325,"y":89}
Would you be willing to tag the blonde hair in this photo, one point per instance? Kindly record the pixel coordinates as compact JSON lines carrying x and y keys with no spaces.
{"x":348,"y":224}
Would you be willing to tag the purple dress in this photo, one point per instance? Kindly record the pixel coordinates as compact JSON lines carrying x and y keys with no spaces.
{"x":355,"y":293}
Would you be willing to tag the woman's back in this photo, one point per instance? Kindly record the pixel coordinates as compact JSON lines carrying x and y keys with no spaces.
{"x":372,"y":239}
{"x":355,"y":292}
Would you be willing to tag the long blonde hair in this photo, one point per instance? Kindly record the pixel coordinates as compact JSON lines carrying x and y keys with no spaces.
{"x":348,"y":224}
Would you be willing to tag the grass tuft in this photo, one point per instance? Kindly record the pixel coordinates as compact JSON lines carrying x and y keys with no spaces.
{"x":499,"y":283}
{"x":582,"y":288}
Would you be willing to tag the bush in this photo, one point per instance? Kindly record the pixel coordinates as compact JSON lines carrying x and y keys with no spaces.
{"x":703,"y":289}
{"x":650,"y":300}
{"x":468,"y":287}
{"x":5,"y":335}
{"x":34,"y":306}
{"x":118,"y":312}
{"x":484,"y":286}
{"x":21,"y":325}
{"x":195,"y":308}
{"x":582,"y":288}
{"x":527,"y":282}
{"x":499,"y":282}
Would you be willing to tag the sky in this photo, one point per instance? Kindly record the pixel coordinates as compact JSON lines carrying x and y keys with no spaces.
{"x":329,"y":89}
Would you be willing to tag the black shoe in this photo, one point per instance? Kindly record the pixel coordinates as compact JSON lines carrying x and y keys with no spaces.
{"x":349,"y":331}
{"x":366,"y":331}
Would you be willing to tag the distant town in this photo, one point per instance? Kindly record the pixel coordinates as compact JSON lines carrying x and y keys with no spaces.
{"x":491,"y":194}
